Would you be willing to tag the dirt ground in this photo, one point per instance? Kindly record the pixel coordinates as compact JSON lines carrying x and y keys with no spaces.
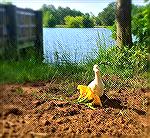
{"x":43,"y":110}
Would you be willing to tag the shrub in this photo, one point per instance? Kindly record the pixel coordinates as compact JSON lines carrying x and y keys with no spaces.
{"x":74,"y":22}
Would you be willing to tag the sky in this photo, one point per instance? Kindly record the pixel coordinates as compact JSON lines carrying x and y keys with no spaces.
{"x":94,"y":6}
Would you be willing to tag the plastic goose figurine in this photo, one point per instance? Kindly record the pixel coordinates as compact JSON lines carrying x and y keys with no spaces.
{"x":97,"y":85}
{"x":93,"y":91}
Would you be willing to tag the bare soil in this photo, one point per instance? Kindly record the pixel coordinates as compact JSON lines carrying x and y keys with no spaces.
{"x":40,"y":110}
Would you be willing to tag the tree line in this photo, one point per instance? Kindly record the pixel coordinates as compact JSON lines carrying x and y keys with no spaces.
{"x":72,"y":18}
{"x":108,"y":17}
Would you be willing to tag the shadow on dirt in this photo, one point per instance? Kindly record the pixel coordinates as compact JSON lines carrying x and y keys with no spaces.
{"x":117,"y":104}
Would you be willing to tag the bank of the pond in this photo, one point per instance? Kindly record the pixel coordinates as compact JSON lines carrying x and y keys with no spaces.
{"x":65,"y":26}
{"x":32,"y":71}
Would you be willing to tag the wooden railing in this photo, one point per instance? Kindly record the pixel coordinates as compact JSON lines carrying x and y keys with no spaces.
{"x":19,"y":29}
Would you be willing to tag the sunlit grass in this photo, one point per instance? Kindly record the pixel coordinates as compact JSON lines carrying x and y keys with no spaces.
{"x":30,"y":71}
{"x":22,"y":71}
{"x":123,"y":65}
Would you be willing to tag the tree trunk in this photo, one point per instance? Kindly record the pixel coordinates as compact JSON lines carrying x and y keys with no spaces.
{"x":123,"y":20}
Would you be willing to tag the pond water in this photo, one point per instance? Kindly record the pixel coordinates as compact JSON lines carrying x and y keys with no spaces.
{"x":74,"y":44}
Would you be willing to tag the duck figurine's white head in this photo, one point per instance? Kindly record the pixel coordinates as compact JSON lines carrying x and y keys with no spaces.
{"x":95,"y":68}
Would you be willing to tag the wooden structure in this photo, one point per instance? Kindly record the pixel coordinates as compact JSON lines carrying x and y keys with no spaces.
{"x":19,"y":30}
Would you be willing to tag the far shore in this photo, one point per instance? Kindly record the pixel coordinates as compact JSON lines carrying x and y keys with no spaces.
{"x":65,"y":26}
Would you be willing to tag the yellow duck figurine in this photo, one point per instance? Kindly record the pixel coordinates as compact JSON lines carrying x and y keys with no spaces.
{"x":94,"y":90}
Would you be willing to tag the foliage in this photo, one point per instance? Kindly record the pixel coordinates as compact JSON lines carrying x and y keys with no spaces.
{"x":73,"y":18}
{"x":60,"y":13}
{"x":79,"y":21}
{"x":88,"y":22}
{"x":141,"y":25}
{"x":48,"y":19}
{"x":7,"y":2}
{"x":51,"y":21}
{"x":125,"y":62}
{"x":113,"y":29}
{"x":74,"y":22}
{"x":107,"y":16}
{"x":23,"y":71}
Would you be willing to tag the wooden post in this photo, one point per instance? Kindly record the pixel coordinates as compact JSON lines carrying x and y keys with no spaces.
{"x":39,"y":35}
{"x":2,"y":27}
{"x":12,"y":49}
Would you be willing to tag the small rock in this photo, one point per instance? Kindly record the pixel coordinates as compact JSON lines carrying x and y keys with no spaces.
{"x":36,"y":102}
{"x":62,"y":121}
{"x":14,"y":111}
{"x":89,"y":130}
{"x":66,"y":128}
{"x":53,"y":129}
{"x":47,"y":123}
{"x":7,"y":125}
{"x":72,"y":112}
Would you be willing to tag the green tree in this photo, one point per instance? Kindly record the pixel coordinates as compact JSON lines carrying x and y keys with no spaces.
{"x":7,"y":2}
{"x":135,"y":9}
{"x":140,"y":18}
{"x":141,"y":25}
{"x":74,"y":22}
{"x":51,"y":21}
{"x":60,"y":13}
{"x":88,"y":22}
{"x":107,"y":16}
{"x":48,"y":19}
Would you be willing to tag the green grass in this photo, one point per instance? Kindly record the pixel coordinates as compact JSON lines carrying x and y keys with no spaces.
{"x":23,"y":71}
{"x":102,"y":26}
{"x":61,"y":26}
{"x":31,"y":71}
{"x":126,"y":64}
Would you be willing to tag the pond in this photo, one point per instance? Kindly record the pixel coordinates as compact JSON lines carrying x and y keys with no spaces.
{"x":74,"y":44}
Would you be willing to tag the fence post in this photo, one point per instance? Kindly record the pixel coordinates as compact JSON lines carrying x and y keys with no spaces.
{"x":39,"y":35}
{"x":12,"y":49}
{"x":2,"y":28}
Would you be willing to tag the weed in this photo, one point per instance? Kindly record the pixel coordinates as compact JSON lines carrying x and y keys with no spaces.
{"x":19,"y":91}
